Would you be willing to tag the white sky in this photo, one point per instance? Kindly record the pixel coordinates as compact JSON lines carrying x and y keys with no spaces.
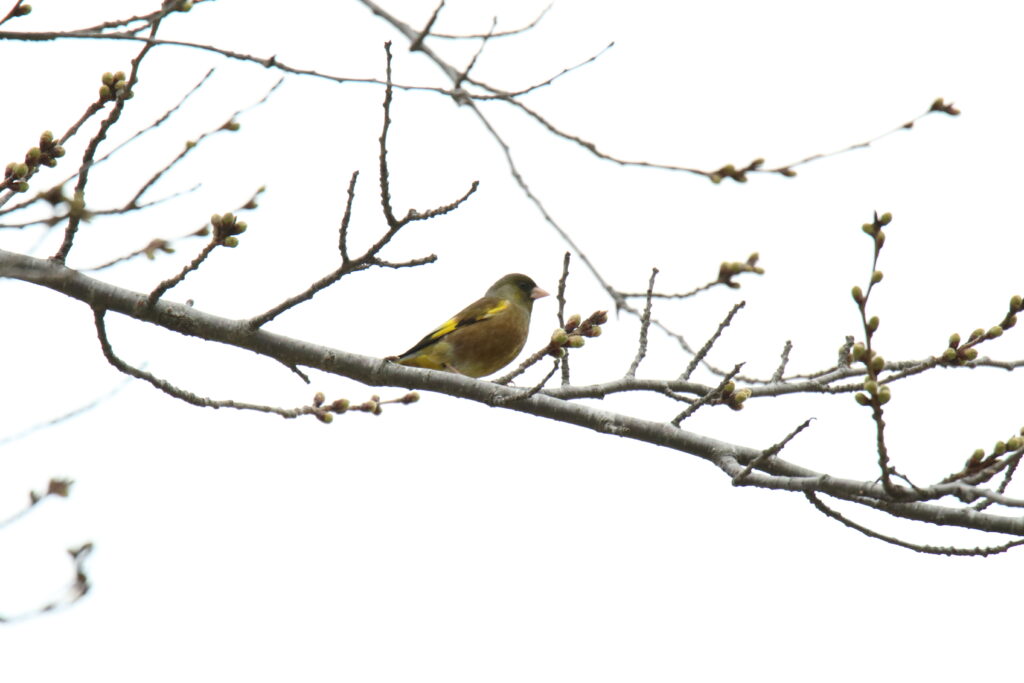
{"x":447,"y":541}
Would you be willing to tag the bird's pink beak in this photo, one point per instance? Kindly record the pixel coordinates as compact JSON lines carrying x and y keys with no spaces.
{"x":538,"y":293}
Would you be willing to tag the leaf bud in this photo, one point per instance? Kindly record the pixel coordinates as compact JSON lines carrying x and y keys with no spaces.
{"x":575,"y":341}
{"x":877,"y":364}
{"x":995,"y":331}
{"x":862,"y":399}
{"x":954,"y":340}
{"x":970,"y":354}
{"x":876,"y":277}
{"x":884,"y":394}
{"x":885,"y":218}
{"x":949,"y":355}
{"x":559,"y":337}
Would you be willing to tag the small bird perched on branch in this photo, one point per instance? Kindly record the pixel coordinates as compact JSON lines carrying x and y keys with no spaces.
{"x":485,"y":336}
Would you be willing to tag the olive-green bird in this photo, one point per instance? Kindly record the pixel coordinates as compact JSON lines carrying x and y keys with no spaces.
{"x":485,"y":336}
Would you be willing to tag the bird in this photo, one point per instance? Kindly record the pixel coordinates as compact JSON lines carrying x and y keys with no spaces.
{"x":483,"y":337}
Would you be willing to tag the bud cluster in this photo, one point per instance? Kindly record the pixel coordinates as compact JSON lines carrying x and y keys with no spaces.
{"x":957,"y":354}
{"x":226,"y":228}
{"x":326,"y":412}
{"x":730,"y":269}
{"x":573,"y":334}
{"x":115,"y":86}
{"x":16,"y":174}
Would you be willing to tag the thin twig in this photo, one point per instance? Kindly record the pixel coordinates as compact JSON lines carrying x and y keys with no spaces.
{"x":645,"y":323}
{"x":699,"y":356}
{"x":769,"y":452}
{"x":707,"y":397}
{"x":927,"y":549}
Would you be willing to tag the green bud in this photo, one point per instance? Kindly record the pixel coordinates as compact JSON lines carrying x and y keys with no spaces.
{"x":23,"y":10}
{"x":715,"y":178}
{"x":977,"y":333}
{"x":228,"y":218}
{"x":970,"y":354}
{"x":949,"y":355}
{"x":876,"y":277}
{"x":119,"y":77}
{"x":1016,"y":303}
{"x":1010,"y":321}
{"x":411,"y":397}
{"x":575,"y":341}
{"x":976,"y":457}
{"x":862,"y":399}
{"x":858,"y":294}
{"x":559,"y":337}
{"x":729,"y":388}
{"x":104,"y":92}
{"x":873,"y":323}
{"x":240,"y":227}
{"x":879,"y":239}
{"x":230,"y":241}
{"x":216,"y":220}
{"x":788,"y":172}
{"x":326,"y":418}
{"x":57,"y":151}
{"x":858,"y":351}
{"x":32,"y":156}
{"x":995,"y":331}
{"x":340,"y":405}
{"x":573,"y":322}
{"x":741,"y":395}
{"x":107,"y":78}
{"x":1014,"y":442}
{"x":20,"y":186}
{"x":885,"y":218}
{"x":869,"y":228}
{"x":877,"y":364}
{"x":19,"y":170}
{"x":999,"y":448}
{"x":884,"y":394}
{"x":871,"y":386}
{"x":954,"y":340}
{"x":594,"y":331}
{"x":47,"y":137}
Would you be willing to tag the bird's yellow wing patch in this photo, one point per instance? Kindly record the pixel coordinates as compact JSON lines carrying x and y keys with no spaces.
{"x":474,"y":316}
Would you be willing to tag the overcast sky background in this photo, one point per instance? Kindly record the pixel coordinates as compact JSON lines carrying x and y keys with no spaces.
{"x":446,"y":540}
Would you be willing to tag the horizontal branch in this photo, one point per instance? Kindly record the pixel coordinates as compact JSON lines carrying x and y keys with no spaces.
{"x":773,"y":473}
